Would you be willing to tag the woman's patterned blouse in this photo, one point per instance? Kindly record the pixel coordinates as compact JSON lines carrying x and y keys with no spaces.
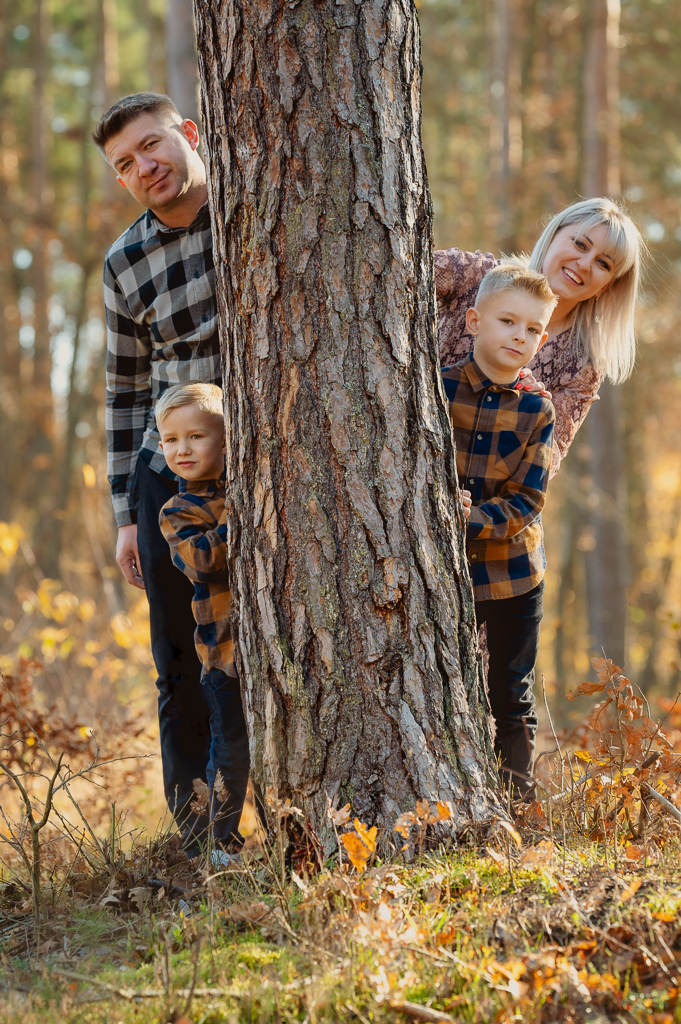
{"x":566,"y":372}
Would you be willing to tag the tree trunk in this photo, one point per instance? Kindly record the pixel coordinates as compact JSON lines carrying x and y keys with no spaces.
{"x":607,"y":563}
{"x":40,"y":489}
{"x":506,"y":137}
{"x":356,"y":631}
{"x":182,"y":70}
{"x":601,"y":128}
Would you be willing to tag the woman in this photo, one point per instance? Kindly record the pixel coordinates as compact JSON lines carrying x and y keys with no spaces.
{"x":591,"y":254}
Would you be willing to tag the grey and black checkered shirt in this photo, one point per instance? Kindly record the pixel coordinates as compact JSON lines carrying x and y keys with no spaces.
{"x":159,"y":293}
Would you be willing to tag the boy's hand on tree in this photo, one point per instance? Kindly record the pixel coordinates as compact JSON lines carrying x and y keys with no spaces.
{"x":528,"y":383}
{"x":127,"y":555}
{"x":466,"y":501}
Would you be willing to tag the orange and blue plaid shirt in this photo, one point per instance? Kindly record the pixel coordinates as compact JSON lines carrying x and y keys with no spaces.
{"x":503,"y":442}
{"x":194,"y":524}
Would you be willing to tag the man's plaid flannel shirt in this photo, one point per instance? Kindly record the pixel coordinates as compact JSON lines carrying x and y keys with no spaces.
{"x":159,"y":293}
{"x":503,"y":455}
{"x":194,"y":524}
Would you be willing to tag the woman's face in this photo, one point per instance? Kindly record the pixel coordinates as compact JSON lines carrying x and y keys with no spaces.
{"x":578,"y":265}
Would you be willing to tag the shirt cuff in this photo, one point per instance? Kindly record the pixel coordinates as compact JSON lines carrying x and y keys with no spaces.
{"x":123,"y":513}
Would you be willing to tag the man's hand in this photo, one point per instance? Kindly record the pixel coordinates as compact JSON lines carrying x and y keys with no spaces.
{"x":466,"y":502}
{"x":127,"y":555}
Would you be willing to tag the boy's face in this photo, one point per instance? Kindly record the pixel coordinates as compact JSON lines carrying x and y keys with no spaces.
{"x":509,"y":328}
{"x":193,"y":443}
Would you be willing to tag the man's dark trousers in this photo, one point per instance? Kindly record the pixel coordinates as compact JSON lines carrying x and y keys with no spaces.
{"x":183,"y":710}
{"x":513,"y":641}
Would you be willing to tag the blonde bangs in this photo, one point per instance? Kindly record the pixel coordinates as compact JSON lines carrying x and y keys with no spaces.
{"x":622,"y":246}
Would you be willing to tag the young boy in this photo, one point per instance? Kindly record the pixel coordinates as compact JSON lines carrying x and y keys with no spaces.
{"x":191,"y":424}
{"x":503,"y":441}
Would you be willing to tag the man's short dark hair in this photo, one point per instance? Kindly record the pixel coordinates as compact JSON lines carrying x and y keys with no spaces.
{"x":126,"y":110}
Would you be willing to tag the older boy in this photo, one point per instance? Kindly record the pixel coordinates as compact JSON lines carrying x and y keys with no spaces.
{"x":191,"y":424}
{"x":503,"y":441}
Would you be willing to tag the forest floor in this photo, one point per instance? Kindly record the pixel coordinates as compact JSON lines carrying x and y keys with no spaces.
{"x":510,"y":924}
{"x":566,"y":910}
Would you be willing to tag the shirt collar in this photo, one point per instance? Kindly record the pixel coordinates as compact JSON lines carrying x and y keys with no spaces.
{"x":479,"y":382}
{"x":209,"y":488}
{"x":155,"y":226}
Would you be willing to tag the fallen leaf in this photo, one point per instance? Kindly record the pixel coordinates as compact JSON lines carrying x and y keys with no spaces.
{"x":220,"y":787}
{"x":515,"y":836}
{"x":356,"y":850}
{"x":665,"y":915}
{"x":200,"y":805}
{"x":404,"y":823}
{"x":341,"y":817}
{"x":540,"y":855}
{"x":299,"y":882}
{"x":248,"y":913}
{"x":584,"y":689}
{"x":444,"y":810}
{"x":631,"y":889}
{"x":367,"y":835}
{"x":634,"y":853}
{"x":496,"y":857}
{"x":139,"y":896}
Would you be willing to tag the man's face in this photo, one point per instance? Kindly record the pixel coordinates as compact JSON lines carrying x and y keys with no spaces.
{"x":193,"y":443}
{"x":154,"y":158}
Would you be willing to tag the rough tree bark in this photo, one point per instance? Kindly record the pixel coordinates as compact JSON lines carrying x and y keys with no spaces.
{"x":356,"y":631}
{"x":607,"y":563}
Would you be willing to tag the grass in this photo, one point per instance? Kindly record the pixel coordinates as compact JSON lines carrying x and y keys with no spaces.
{"x":453,"y":931}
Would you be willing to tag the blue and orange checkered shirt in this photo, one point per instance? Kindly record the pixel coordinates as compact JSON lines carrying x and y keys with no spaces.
{"x":194,"y":524}
{"x":503,"y":455}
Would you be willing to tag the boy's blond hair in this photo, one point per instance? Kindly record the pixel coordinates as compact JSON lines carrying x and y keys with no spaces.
{"x":514,"y":273}
{"x":206,"y":397}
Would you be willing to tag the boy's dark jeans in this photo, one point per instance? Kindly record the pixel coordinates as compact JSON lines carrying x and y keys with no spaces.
{"x":512,"y":640}
{"x":183,"y":711}
{"x":228,"y":753}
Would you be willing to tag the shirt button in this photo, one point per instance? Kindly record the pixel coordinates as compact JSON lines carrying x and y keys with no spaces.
{"x":471,"y":481}
{"x":197,"y":274}
{"x":479,"y":437}
{"x":473,"y":557}
{"x":489,"y":398}
{"x":204,"y":319}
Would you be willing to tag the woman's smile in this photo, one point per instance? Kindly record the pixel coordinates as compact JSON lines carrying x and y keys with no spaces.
{"x":572,"y":276}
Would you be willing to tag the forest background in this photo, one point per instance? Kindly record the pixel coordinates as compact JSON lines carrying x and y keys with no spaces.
{"x":506,"y":95}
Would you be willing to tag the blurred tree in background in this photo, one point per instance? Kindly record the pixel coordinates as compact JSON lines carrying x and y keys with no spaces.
{"x":510,"y":109}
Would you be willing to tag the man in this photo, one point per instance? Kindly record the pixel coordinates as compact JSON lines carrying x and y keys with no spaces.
{"x":159,"y":291}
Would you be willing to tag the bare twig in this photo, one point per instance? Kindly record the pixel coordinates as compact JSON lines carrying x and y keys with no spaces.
{"x":145,"y":993}
{"x":668,"y":806}
{"x":35,"y":827}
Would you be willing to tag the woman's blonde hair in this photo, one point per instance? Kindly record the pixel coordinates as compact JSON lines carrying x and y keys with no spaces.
{"x":206,"y":397}
{"x":610,"y":340}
